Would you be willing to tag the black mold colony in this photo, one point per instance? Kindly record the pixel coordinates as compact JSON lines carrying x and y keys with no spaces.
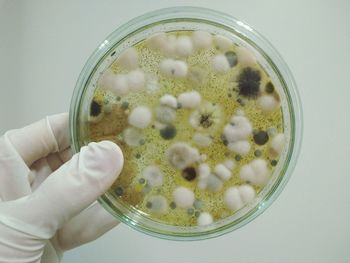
{"x":95,"y":109}
{"x":249,"y":82}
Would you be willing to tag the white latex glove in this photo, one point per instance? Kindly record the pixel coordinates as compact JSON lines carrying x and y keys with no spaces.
{"x":47,"y":202}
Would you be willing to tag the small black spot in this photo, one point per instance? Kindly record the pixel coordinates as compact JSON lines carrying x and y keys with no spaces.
{"x":238,"y":157}
{"x":261,"y":137}
{"x":95,"y":108}
{"x":231,"y":58}
{"x":142,"y":180}
{"x":257,"y":153}
{"x":138,"y":156}
{"x":224,"y":140}
{"x":190,"y":211}
{"x":125,"y":105}
{"x":168,"y":132}
{"x":149,"y":205}
{"x":240,"y":101}
{"x":119,"y":191}
{"x":269,"y":87}
{"x":273,"y":162}
{"x":172,"y":205}
{"x":189,"y":173}
{"x":113,"y":53}
{"x":197,"y":213}
{"x":249,"y":82}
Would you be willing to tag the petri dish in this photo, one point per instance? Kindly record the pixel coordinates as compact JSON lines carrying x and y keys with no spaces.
{"x":207,"y":115}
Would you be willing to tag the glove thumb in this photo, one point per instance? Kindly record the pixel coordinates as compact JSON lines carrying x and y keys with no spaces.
{"x":66,"y":192}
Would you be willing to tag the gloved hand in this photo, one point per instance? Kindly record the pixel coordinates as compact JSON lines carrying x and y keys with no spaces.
{"x":47,"y":202}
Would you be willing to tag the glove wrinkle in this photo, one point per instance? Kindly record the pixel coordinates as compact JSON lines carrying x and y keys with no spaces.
{"x":13,"y":172}
{"x":18,"y":246}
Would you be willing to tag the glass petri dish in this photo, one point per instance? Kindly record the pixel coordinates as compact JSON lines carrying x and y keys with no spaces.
{"x":183,"y":21}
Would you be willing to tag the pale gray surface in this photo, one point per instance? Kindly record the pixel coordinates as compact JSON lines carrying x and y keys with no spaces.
{"x":44,"y":45}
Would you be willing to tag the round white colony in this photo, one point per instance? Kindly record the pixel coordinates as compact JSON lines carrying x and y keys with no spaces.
{"x":132,"y":136}
{"x":247,"y":173}
{"x":136,"y":80}
{"x":256,"y":172}
{"x":230,"y":164}
{"x":203,"y":172}
{"x":180,"y":69}
{"x":222,"y":172}
{"x":165,"y":114}
{"x":184,"y":46}
{"x":190,"y":99}
{"x":237,"y":197}
{"x":243,"y":124}
{"x":180,"y":155}
{"x":241,"y":147}
{"x":220,"y":63}
{"x":128,"y":59}
{"x":245,"y":57}
{"x":202,"y":140}
{"x":247,"y":193}
{"x":232,"y":199}
{"x":116,"y":83}
{"x":170,"y":47}
{"x":239,"y":129}
{"x":183,"y":197}
{"x":202,"y":39}
{"x":120,"y":85}
{"x":214,"y":184}
{"x":174,"y":68}
{"x":158,"y":41}
{"x":153,"y":175}
{"x":277,"y":143}
{"x":261,"y":171}
{"x":140,"y":117}
{"x":204,"y":219}
{"x":159,"y":204}
{"x":168,"y":100}
{"x":222,"y":43}
{"x":267,"y":103}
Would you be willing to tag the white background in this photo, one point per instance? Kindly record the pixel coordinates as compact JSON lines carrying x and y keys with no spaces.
{"x":44,"y":45}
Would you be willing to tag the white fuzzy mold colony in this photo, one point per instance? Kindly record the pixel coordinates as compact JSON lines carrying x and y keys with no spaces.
{"x":199,"y":122}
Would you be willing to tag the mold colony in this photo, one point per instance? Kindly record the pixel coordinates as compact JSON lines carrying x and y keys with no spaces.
{"x":198,"y":120}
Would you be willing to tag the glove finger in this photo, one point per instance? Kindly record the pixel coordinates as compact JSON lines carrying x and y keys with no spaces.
{"x":14,"y":172}
{"x":85,"y":227}
{"x":66,"y":192}
{"x":55,"y":160}
{"x":42,"y":168}
{"x":41,"y":138}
